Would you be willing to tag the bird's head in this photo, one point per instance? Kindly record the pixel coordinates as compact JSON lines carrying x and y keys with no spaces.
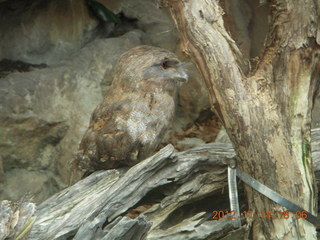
{"x":149,"y":68}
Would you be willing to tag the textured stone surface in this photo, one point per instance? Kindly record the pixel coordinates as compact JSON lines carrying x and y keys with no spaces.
{"x":45,"y":111}
{"x":155,"y":22}
{"x":24,"y":182}
{"x":44,"y":31}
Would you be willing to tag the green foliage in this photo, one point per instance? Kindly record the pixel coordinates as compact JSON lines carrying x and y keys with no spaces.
{"x":101,"y":12}
{"x":306,"y":150}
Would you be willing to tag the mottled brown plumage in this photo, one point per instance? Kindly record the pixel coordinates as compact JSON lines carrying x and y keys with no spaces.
{"x":131,"y":121}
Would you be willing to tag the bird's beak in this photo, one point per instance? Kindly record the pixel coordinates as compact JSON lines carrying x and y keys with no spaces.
{"x":180,"y":76}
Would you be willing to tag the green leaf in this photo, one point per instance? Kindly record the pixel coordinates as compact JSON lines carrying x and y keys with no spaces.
{"x":101,"y":12}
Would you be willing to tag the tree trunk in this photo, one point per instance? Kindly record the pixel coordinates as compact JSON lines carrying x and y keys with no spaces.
{"x":267,"y":110}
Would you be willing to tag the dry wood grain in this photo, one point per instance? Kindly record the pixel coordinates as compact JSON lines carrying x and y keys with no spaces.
{"x":95,"y":207}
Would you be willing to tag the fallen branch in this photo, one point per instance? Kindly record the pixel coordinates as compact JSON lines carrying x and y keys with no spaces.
{"x":98,"y":207}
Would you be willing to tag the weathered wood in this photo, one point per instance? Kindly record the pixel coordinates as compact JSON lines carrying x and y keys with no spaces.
{"x":104,"y":196}
{"x":266,"y":111}
{"x":123,"y":228}
{"x":315,"y":146}
{"x":94,"y":207}
{"x":16,"y":219}
{"x":188,"y":230}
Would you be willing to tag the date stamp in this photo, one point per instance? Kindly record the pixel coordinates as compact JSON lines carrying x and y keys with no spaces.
{"x":263,"y":214}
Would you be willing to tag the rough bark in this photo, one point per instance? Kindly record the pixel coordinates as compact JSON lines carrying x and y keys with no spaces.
{"x":267,"y":111}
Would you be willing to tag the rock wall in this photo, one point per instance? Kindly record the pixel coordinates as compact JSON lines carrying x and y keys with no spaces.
{"x":46,"y":102}
{"x":48,"y":110}
{"x":45,"y":110}
{"x":39,"y":31}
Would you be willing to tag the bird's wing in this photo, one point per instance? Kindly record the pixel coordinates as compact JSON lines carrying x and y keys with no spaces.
{"x":107,"y":143}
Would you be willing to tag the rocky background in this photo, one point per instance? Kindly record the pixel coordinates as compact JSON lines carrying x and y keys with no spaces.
{"x":56,"y":62}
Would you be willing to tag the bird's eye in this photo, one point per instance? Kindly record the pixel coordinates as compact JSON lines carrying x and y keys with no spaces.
{"x":166,"y":63}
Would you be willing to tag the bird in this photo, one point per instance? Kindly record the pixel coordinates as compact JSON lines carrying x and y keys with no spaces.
{"x":134,"y":116}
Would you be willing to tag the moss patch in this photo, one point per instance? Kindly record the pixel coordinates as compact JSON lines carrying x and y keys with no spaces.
{"x":306,"y":150}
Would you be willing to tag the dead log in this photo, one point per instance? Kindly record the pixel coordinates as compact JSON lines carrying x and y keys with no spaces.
{"x":105,"y":196}
{"x":179,"y":185}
